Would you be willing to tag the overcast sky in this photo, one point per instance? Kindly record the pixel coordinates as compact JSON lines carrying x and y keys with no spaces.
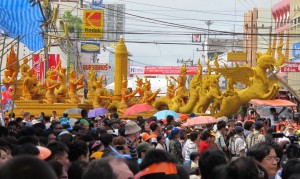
{"x":172,"y":22}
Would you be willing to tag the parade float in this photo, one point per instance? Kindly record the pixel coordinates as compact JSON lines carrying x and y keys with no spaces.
{"x":59,"y":91}
{"x":204,"y":93}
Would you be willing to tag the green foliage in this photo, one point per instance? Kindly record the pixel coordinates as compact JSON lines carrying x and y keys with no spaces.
{"x":74,"y":23}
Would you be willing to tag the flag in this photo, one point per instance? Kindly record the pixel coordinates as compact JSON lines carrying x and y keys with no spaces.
{"x":196,"y":38}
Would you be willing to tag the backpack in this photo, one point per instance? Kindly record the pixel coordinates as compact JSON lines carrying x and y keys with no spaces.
{"x":252,"y":139}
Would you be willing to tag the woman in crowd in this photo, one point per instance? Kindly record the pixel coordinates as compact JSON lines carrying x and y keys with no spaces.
{"x":265,"y":155}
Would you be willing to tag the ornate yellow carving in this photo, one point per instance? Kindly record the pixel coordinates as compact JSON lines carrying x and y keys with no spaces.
{"x":30,"y":89}
{"x":102,"y":96}
{"x":24,"y":67}
{"x":74,"y":86}
{"x":149,"y":96}
{"x":91,"y":85}
{"x":50,"y":85}
{"x":7,"y":80}
{"x":62,"y":79}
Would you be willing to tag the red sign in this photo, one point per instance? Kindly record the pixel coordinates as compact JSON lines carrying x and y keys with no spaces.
{"x":38,"y":65}
{"x":291,"y":67}
{"x":96,"y":66}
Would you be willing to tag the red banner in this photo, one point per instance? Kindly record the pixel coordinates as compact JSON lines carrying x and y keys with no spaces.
{"x":38,"y":65}
{"x":291,"y":67}
{"x":53,"y":60}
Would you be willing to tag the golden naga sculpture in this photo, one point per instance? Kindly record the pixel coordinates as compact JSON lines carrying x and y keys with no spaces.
{"x":50,"y":85}
{"x":91,"y":85}
{"x":62,"y":79}
{"x":205,"y":93}
{"x":149,"y":96}
{"x":74,"y":86}
{"x":30,"y":88}
{"x":24,"y":67}
{"x":102,"y":98}
{"x":256,"y":79}
{"x":194,"y":95}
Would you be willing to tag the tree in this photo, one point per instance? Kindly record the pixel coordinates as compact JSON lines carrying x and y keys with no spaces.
{"x":74,"y":23}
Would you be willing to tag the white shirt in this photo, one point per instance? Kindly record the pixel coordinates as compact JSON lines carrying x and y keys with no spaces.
{"x":188,"y":148}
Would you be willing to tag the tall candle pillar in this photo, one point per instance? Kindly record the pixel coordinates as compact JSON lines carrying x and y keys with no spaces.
{"x":121,"y":68}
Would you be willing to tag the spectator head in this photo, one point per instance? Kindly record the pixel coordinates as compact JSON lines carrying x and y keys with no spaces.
{"x":46,"y":119}
{"x":161,"y":139}
{"x":248,"y":125}
{"x":58,"y":168}
{"x":194,"y":156}
{"x":244,"y":167}
{"x":34,"y":168}
{"x":291,"y":168}
{"x":65,"y":115}
{"x":142,"y":148}
{"x":78,"y":150}
{"x":158,"y":164}
{"x":258,"y":125}
{"x":54,"y":113}
{"x":153,"y":126}
{"x":5,"y":151}
{"x":106,"y":139}
{"x":182,"y":172}
{"x":131,"y":128}
{"x":193,"y":135}
{"x":84,"y":114}
{"x":60,"y":153}
{"x":265,"y":155}
{"x":272,"y":110}
{"x":221,"y":125}
{"x":175,"y":133}
{"x":108,"y":167}
{"x":77,"y":169}
{"x":56,"y":127}
{"x":239,"y":129}
{"x":208,"y":160}
{"x":170,"y":119}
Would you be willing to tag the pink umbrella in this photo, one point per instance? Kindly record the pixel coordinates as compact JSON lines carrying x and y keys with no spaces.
{"x":200,"y":120}
{"x":138,"y":108}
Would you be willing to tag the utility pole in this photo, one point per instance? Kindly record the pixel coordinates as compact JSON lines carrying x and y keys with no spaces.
{"x":208,"y":23}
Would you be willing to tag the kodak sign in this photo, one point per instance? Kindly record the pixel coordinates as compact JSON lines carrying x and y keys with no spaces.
{"x":92,"y":23}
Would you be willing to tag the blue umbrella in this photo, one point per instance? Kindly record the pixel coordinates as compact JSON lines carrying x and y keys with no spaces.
{"x":164,"y":113}
{"x":97,"y":112}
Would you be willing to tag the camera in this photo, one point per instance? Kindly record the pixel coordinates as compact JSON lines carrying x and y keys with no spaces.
{"x":293,"y":148}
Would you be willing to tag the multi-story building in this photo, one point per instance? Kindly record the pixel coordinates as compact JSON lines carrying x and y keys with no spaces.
{"x":257,"y":33}
{"x":293,"y":78}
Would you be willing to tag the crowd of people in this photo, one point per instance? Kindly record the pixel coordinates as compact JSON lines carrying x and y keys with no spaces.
{"x":52,"y":147}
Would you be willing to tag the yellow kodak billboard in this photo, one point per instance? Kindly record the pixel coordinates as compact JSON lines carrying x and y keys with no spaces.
{"x":93,"y":23}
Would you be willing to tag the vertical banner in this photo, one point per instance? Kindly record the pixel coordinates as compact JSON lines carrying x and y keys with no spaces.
{"x":93,"y":23}
{"x":53,"y":60}
{"x":38,"y":65}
